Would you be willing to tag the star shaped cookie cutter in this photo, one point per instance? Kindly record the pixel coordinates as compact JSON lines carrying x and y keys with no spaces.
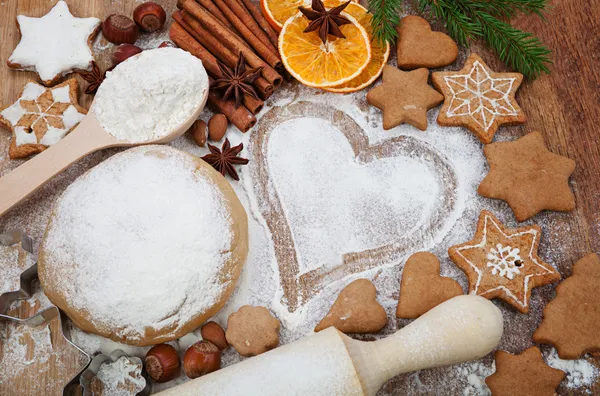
{"x":46,"y":316}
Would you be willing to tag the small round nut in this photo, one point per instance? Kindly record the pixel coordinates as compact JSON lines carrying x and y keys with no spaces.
{"x":162,"y":363}
{"x":167,"y":44}
{"x":198,"y":132}
{"x":201,"y":358}
{"x":150,"y":16}
{"x":214,"y":333}
{"x":118,"y":29}
{"x":124,"y":52}
{"x":217,"y":126}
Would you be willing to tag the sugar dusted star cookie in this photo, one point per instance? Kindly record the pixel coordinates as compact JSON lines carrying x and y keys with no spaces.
{"x":55,"y":44}
{"x":404,"y":97}
{"x":528,"y":177}
{"x":503,"y":263}
{"x":479,"y":99}
{"x":524,"y":374}
{"x":41,"y":117}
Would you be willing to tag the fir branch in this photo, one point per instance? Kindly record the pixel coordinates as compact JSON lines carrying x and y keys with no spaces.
{"x":386,"y":16}
{"x":468,"y":19}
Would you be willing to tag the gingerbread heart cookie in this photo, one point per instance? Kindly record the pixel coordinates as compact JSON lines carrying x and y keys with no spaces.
{"x":422,"y":287}
{"x":356,"y":310}
{"x":419,"y":46}
{"x":524,"y":374}
{"x":572,"y":320}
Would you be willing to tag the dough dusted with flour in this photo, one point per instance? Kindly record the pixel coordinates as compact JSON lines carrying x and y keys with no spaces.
{"x":145,"y":247}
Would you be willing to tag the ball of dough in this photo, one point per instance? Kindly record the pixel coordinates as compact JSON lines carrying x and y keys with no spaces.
{"x":145,"y":247}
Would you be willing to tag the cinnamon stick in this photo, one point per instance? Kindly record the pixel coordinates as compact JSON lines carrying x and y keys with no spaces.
{"x":213,"y":9}
{"x":247,"y":19}
{"x":220,"y":51}
{"x":231,"y":40}
{"x":269,"y":56}
{"x":185,"y":41}
{"x":261,"y":20}
{"x":240,"y":117}
{"x":210,"y":62}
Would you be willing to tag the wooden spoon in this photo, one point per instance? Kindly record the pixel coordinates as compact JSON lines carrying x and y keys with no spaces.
{"x":86,"y":138}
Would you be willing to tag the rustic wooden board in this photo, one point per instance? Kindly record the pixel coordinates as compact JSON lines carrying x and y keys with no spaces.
{"x":564,"y":106}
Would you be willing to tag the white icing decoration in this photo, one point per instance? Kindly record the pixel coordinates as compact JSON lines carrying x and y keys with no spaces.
{"x":530,"y":257}
{"x":32,"y":91}
{"x":54,"y":44}
{"x":72,"y":117}
{"x":503,"y":261}
{"x":53,"y":136}
{"x":22,"y":136}
{"x":480,"y":96}
{"x":62,"y":95}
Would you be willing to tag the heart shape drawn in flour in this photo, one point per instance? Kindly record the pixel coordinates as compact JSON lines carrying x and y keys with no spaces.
{"x":329,"y":218}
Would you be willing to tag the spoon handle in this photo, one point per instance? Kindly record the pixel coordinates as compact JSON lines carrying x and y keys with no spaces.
{"x":33,"y":174}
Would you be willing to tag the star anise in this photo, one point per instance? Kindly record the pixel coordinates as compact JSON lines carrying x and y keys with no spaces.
{"x":237,"y":82}
{"x":94,"y":78}
{"x":325,"y":21}
{"x":224,"y":159}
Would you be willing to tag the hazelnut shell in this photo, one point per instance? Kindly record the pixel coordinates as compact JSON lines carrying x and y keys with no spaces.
{"x":162,"y":363}
{"x":150,"y":16}
{"x":214,"y":333}
{"x":118,"y":29}
{"x":124,"y":52}
{"x":201,"y":358}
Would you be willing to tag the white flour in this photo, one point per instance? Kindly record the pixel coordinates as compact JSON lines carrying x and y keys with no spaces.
{"x":150,"y":95}
{"x":13,"y":261}
{"x":121,"y":378}
{"x":579,"y":372}
{"x":131,"y":257}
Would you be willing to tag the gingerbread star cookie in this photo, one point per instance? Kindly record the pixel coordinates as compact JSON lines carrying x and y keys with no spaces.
{"x":55,"y":44}
{"x":571,"y":321}
{"x":479,"y":99}
{"x":422,"y":287}
{"x":525,"y":374}
{"x":356,"y":310}
{"x":418,"y":46}
{"x":528,"y":176}
{"x":404,"y":97}
{"x":503,"y":263}
{"x":41,"y":117}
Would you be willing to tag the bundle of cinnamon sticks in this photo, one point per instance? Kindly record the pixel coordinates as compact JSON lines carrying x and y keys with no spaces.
{"x":222,"y":31}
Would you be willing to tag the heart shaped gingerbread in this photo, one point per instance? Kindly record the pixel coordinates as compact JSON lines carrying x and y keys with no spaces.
{"x":335,"y":205}
{"x":418,"y":46}
{"x":422,"y":287}
{"x":356,"y":310}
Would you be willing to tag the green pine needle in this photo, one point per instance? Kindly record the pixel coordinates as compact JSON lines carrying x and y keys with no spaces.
{"x":386,"y":16}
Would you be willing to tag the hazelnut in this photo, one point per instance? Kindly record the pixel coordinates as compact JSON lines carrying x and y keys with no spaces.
{"x":217,"y":126}
{"x":198,"y":131}
{"x":214,"y":333}
{"x":118,"y":29}
{"x":201,"y":358}
{"x":123,"y":52}
{"x":167,"y":44}
{"x":150,"y":16}
{"x":162,"y":363}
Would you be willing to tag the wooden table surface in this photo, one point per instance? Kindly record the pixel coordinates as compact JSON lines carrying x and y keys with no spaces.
{"x":564,"y":106}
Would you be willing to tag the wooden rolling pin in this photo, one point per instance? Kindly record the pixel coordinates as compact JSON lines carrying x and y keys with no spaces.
{"x":330,"y":363}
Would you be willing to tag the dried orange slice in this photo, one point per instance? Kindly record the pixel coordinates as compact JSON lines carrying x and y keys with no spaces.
{"x":277,"y":12}
{"x":324,"y":65}
{"x":379,"y":52}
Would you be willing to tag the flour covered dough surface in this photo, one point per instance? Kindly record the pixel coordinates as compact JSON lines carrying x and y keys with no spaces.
{"x":128,"y":258}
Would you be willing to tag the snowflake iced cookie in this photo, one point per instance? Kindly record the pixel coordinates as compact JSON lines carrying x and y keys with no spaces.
{"x":55,"y":44}
{"x":528,"y":177}
{"x":577,"y":304}
{"x":503,"y":263}
{"x":479,"y":99}
{"x":41,"y":117}
{"x":524,"y":374}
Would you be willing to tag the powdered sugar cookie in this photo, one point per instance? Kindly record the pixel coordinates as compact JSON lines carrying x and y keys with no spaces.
{"x":55,"y":44}
{"x":356,"y":310}
{"x":252,"y":330}
{"x":41,"y":117}
{"x":479,"y":99}
{"x":503,"y":263}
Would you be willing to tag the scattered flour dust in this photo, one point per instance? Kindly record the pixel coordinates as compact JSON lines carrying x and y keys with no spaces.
{"x":120,"y":378}
{"x":473,"y":375}
{"x":124,"y":248}
{"x":149,"y":96}
{"x":580,"y":373}
{"x":13,"y":261}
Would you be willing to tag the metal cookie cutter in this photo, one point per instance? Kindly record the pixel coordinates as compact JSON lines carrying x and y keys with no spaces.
{"x":44,"y":317}
{"x":27,"y":276}
{"x":99,"y":360}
